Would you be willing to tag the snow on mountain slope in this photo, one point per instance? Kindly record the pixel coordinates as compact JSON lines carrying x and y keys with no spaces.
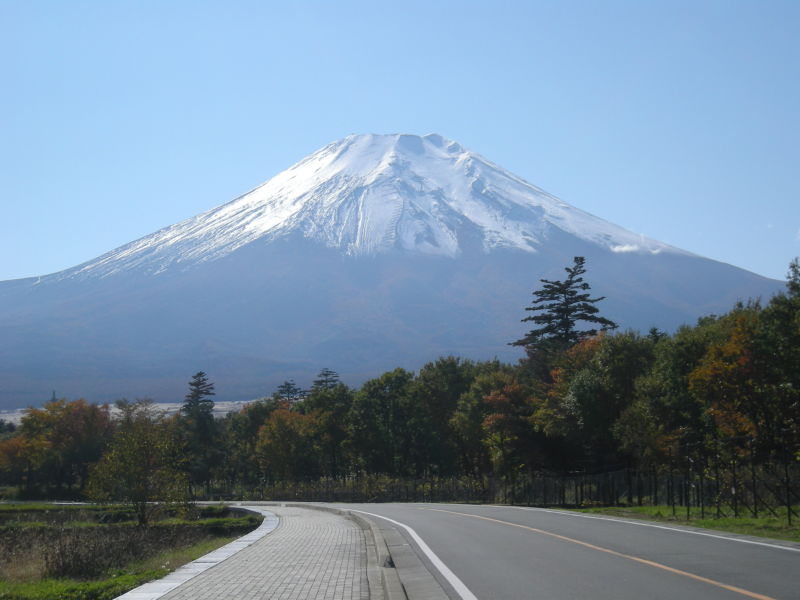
{"x":372,"y":194}
{"x":375,"y":252}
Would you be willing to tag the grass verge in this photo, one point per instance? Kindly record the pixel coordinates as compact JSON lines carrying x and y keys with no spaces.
{"x":115,"y":583}
{"x":762,"y":526}
{"x":46,"y":554}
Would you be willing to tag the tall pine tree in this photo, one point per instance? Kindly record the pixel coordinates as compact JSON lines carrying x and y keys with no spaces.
{"x":290,"y":392}
{"x":560,"y":306}
{"x":197,"y":403}
{"x":326,"y":379}
{"x":200,"y":430}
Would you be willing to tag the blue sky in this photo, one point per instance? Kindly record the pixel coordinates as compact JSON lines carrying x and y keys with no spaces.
{"x":678,"y":120}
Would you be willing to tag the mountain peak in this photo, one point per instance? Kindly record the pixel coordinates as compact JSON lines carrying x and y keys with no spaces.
{"x":129,"y":322}
{"x":360,"y":154}
{"x":372,"y":194}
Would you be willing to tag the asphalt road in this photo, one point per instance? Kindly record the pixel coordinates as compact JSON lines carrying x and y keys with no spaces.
{"x":501,"y":552}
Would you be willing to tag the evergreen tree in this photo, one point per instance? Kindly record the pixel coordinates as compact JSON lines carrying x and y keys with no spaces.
{"x":200,"y":430}
{"x":793,"y":278}
{"x":326,"y":379}
{"x":561,"y":305}
{"x":197,"y":401}
{"x":290,"y":392}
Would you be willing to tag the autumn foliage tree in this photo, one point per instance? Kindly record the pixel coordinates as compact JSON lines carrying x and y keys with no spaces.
{"x":726,"y":382}
{"x":18,"y":463}
{"x":507,"y":430}
{"x":238,"y":439}
{"x":287,"y":446}
{"x":584,"y":399}
{"x":55,"y":445}
{"x":142,"y":466}
{"x":468,"y":419}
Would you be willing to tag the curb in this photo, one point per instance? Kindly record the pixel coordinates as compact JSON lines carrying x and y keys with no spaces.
{"x":390,"y":581}
{"x":380,"y":564}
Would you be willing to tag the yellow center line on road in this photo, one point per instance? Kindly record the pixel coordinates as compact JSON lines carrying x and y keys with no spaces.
{"x":644,"y":561}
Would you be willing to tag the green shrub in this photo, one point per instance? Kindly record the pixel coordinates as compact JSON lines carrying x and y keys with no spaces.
{"x":87,"y":549}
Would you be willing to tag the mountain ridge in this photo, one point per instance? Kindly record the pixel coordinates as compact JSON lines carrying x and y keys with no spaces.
{"x":372,"y":253}
{"x":370,"y":194}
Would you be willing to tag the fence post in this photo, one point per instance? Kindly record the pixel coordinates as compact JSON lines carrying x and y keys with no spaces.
{"x":529,"y":488}
{"x":671,"y":490}
{"x":611,"y":490}
{"x":753,"y":479}
{"x":638,"y":487}
{"x":787,"y":484}
{"x":687,"y":487}
{"x":656,"y":483}
{"x":701,"y":489}
{"x":718,"y":489}
{"x":629,"y":483}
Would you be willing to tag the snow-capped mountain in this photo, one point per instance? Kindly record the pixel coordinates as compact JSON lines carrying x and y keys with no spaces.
{"x":374,"y":252}
{"x":374,"y":194}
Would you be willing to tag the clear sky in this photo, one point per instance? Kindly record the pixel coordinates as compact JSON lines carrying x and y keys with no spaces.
{"x":678,"y":120}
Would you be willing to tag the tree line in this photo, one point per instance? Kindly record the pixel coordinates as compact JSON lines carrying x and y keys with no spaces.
{"x":585,"y":398}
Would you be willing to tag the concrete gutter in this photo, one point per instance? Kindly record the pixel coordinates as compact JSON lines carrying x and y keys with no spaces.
{"x":384,"y":583}
{"x":403,"y":576}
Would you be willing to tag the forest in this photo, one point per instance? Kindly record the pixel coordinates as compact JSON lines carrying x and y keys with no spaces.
{"x":582,"y":400}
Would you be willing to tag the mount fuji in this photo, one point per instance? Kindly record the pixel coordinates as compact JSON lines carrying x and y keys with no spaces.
{"x":374,"y":252}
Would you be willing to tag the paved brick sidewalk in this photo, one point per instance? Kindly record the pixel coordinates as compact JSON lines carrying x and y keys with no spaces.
{"x":311,"y":555}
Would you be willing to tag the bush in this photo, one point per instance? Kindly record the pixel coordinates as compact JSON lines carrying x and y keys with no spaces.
{"x":30,"y":550}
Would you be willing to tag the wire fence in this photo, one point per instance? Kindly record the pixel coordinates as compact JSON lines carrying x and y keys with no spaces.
{"x":705,"y":490}
{"x":693,"y":486}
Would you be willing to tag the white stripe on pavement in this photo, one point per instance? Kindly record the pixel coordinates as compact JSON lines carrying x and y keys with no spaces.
{"x":461,"y":589}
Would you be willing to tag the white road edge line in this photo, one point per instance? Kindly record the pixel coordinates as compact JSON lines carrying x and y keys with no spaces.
{"x":641,"y":524}
{"x":461,"y":589}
